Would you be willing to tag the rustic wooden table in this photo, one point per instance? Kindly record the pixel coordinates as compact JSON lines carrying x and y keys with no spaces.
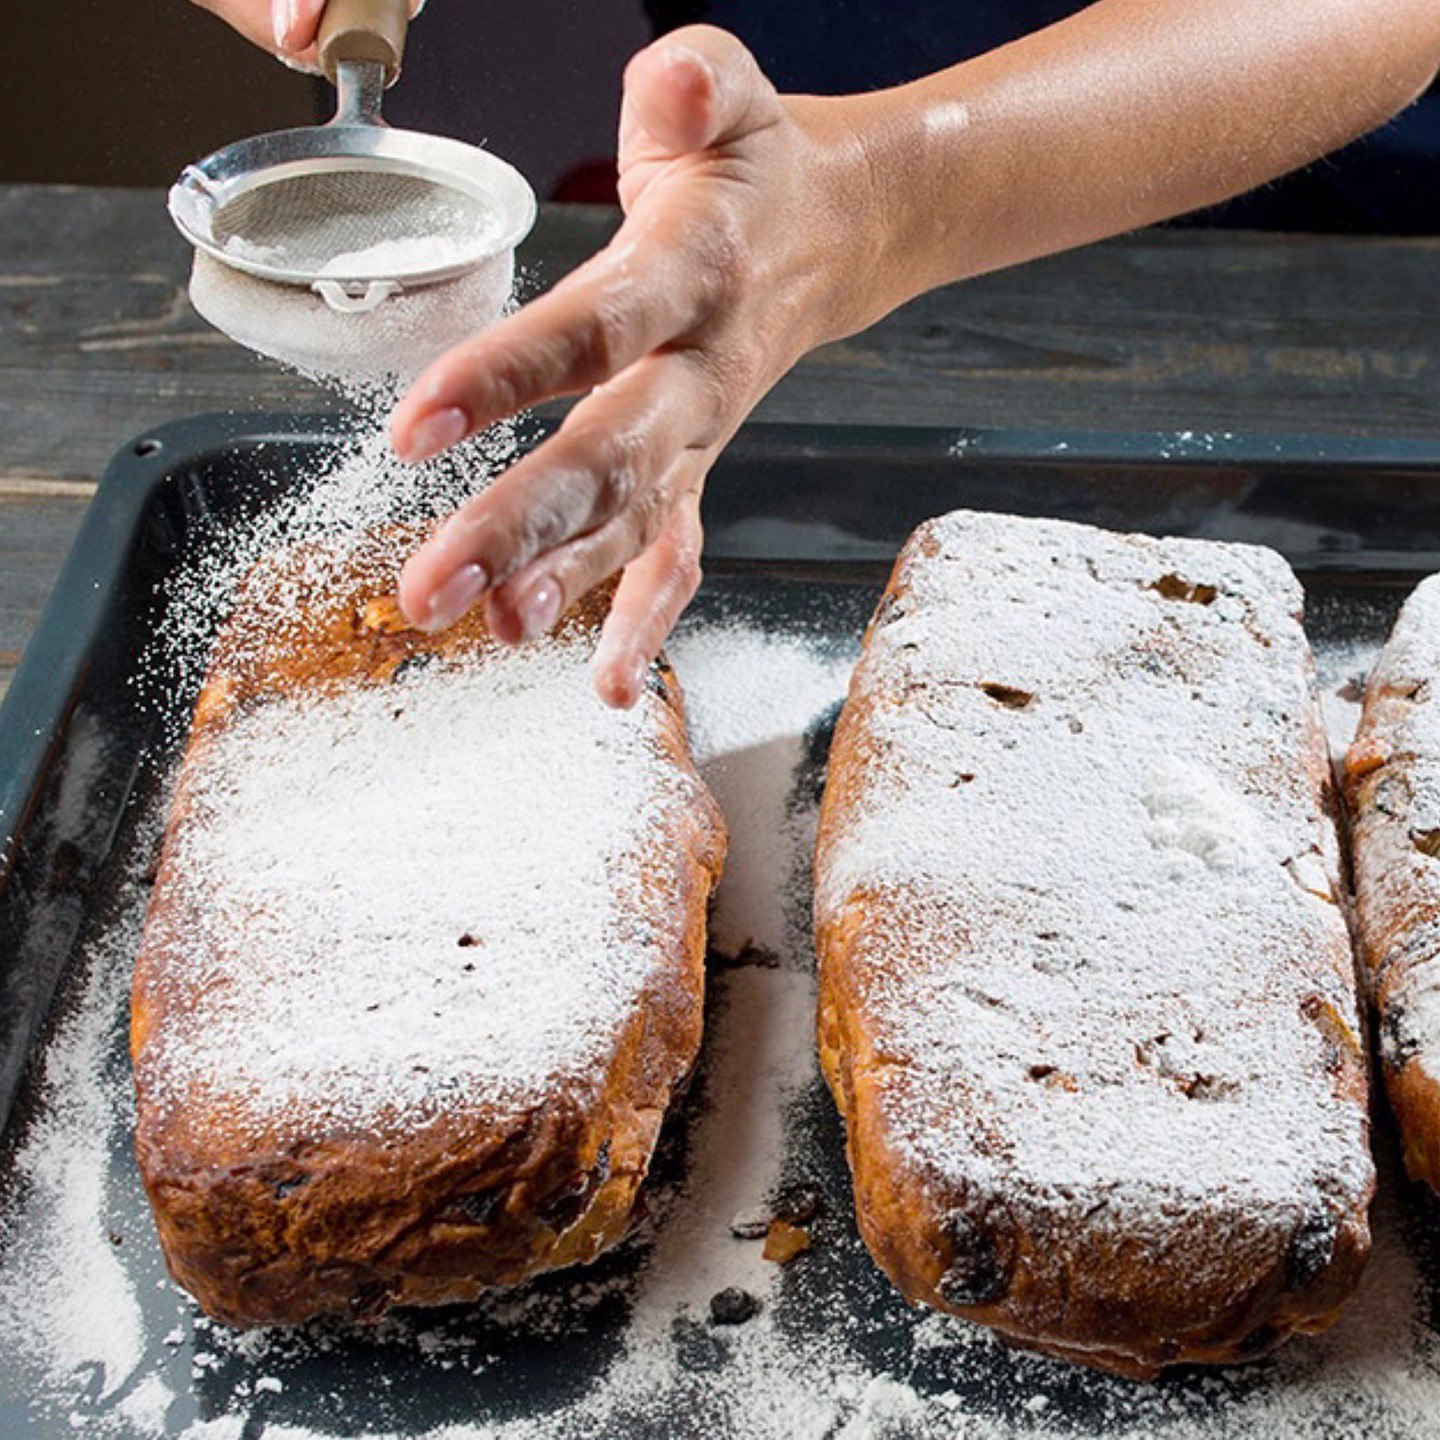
{"x":1177,"y":330}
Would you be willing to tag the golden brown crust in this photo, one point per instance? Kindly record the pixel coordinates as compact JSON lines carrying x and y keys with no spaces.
{"x":264,"y":1225}
{"x":1088,"y":1276}
{"x":1390,"y":778}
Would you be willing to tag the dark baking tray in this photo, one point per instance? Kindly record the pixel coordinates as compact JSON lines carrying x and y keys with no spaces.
{"x":802,"y":523}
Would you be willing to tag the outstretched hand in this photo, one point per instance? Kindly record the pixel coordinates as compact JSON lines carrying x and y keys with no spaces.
{"x":737,"y":254}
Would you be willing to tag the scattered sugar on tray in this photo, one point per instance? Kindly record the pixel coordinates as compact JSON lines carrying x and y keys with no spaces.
{"x":147,"y":1405}
{"x":884,"y":1405}
{"x":755,"y":698}
{"x":515,"y":971}
{"x":755,"y":1068}
{"x":66,"y":1300}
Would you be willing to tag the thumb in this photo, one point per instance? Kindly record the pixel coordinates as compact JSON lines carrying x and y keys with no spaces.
{"x":698,"y":87}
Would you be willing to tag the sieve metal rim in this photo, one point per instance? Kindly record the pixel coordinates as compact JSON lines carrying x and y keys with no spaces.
{"x":209,"y":185}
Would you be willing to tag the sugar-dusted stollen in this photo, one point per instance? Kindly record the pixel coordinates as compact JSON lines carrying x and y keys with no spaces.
{"x":423,"y":967}
{"x":1087,"y":998}
{"x":1392,"y":781}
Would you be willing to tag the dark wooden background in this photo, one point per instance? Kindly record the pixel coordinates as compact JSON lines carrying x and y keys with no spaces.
{"x":1180,"y":330}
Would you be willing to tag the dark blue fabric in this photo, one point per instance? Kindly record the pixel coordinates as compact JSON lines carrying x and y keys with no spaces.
{"x":1389,"y":182}
{"x":836,"y":47}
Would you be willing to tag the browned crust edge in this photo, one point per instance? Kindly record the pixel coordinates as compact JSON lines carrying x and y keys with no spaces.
{"x":1398,"y":922}
{"x":266,"y":1230}
{"x":1085,"y":1297}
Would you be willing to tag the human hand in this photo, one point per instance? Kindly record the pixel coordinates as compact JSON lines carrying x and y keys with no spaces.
{"x":286,"y":28}
{"x":749,"y":238}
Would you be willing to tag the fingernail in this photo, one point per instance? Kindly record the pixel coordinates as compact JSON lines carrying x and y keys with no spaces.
{"x":455,"y":597}
{"x":680,"y":51}
{"x":634,"y":671}
{"x":436,"y":432}
{"x":283,"y":15}
{"x":539,"y":608}
{"x":619,"y":676}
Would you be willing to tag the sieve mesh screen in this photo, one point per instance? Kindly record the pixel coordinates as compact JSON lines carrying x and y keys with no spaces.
{"x":356,"y":224}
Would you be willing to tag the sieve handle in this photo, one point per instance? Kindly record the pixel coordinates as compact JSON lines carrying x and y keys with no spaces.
{"x":369,"y":31}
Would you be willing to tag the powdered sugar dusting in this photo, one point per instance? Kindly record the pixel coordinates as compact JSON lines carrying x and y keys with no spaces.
{"x":1411,"y":661}
{"x":66,"y":1301}
{"x":514,"y":973}
{"x":1397,"y":833}
{"x":1109,"y":745}
{"x":355,"y":492}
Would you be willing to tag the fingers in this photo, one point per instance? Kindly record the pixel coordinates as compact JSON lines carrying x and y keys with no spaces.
{"x":696,"y":88}
{"x":659,"y":581}
{"x":638,"y":294}
{"x":572,"y":511}
{"x":653,"y":592}
{"x":529,"y":604}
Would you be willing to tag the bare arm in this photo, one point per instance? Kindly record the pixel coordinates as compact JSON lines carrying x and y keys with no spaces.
{"x":1127,"y":113}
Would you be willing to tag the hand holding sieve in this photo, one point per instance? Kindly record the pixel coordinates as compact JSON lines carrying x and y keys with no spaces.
{"x":354,"y":210}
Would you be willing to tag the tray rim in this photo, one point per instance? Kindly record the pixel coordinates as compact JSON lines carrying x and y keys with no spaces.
{"x":71,"y":623}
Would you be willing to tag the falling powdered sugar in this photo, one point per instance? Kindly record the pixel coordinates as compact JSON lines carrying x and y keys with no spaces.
{"x":350,"y":489}
{"x":355,"y":499}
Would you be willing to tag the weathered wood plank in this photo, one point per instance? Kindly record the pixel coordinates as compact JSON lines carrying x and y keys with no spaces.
{"x":31,"y":487}
{"x":1167,"y":330}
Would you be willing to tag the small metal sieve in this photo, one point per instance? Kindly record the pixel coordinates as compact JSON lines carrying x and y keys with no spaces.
{"x":354,"y":210}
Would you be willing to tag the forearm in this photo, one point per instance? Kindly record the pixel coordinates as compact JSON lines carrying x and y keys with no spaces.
{"x":1128,"y":113}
